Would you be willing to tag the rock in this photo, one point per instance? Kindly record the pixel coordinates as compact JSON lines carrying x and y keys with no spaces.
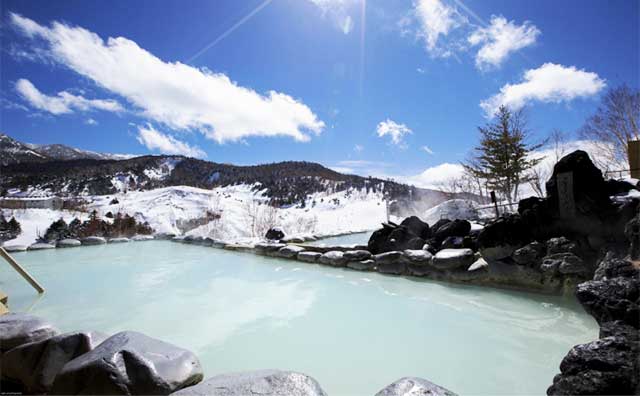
{"x":378,"y":240}
{"x":118,"y":240}
{"x":413,"y":386}
{"x":436,"y":226}
{"x":262,"y":382}
{"x":418,"y":257}
{"x":455,"y":228}
{"x":529,"y":254}
{"x":388,"y":257}
{"x":14,"y":248}
{"x":19,"y":328}
{"x":274,"y":234}
{"x":64,"y":243}
{"x":448,"y":259}
{"x":238,"y":247}
{"x":561,"y":245}
{"x":618,"y":328}
{"x":40,"y":246}
{"x":393,"y":237}
{"x":608,"y":366}
{"x":333,"y":258}
{"x":140,"y":238}
{"x":309,"y":257}
{"x":364,"y":265}
{"x":292,"y":240}
{"x":129,"y":363}
{"x":290,"y":251}
{"x":563,"y":263}
{"x":268,"y":247}
{"x":165,"y":235}
{"x":417,"y":227}
{"x":357,"y":255}
{"x":452,"y":243}
{"x":612,"y":267}
{"x":479,"y":264}
{"x":501,"y":237}
{"x":36,"y":364}
{"x":93,"y":240}
{"x":612,"y":299}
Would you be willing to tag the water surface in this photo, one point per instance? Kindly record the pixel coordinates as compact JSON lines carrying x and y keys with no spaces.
{"x":354,"y":332}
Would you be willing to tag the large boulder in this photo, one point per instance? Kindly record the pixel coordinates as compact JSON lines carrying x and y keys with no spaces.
{"x":529,"y":254}
{"x":309,"y":257}
{"x":502,"y":236}
{"x":268,"y":248}
{"x":357,"y":255}
{"x":41,"y":246}
{"x":262,"y":382}
{"x":612,"y":299}
{"x":449,"y":259}
{"x":455,"y":228}
{"x":93,"y":240}
{"x":274,"y":234}
{"x":413,"y":386}
{"x":613,"y":267}
{"x":417,"y":227}
{"x":19,"y":328}
{"x":290,"y":251}
{"x":36,"y":364}
{"x":418,"y":257}
{"x":392,"y":237}
{"x":65,"y":243}
{"x":333,"y":258}
{"x":129,"y":363}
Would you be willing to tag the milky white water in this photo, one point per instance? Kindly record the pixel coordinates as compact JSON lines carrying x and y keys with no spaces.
{"x":354,"y":332}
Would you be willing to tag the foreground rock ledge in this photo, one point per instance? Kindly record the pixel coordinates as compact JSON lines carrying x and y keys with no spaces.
{"x":19,"y":328}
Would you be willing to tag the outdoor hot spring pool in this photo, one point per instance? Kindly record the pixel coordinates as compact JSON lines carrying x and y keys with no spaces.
{"x":355,"y":332}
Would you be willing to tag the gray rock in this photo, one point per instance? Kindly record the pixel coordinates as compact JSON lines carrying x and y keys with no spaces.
{"x":15,"y":248}
{"x":238,"y":247}
{"x":64,"y":243}
{"x":262,"y":382}
{"x":612,"y":267}
{"x":612,"y":299}
{"x":129,"y":363}
{"x":309,"y":257}
{"x":165,"y":235}
{"x":479,"y":264}
{"x":36,"y":364}
{"x":418,"y":257}
{"x":391,"y":263}
{"x":290,"y":251}
{"x":40,"y":246}
{"x":448,"y":259}
{"x":529,"y":254}
{"x":364,"y":265}
{"x":388,"y":257}
{"x":93,"y":240}
{"x":334,"y":258}
{"x":292,"y":240}
{"x":118,"y":240}
{"x":357,"y":255}
{"x":268,"y":247}
{"x":140,"y":238}
{"x":499,"y":252}
{"x":563,"y":263}
{"x":560,"y":245}
{"x":19,"y":328}
{"x":413,"y":386}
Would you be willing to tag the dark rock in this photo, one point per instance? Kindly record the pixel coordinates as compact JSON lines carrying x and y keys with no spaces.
{"x":452,"y":242}
{"x":357,"y":255}
{"x":616,"y":187}
{"x":608,"y":366}
{"x":391,"y":263}
{"x":502,"y":236}
{"x":268,"y":247}
{"x":455,"y":228}
{"x":561,"y":245}
{"x":417,"y":227}
{"x":333,"y":258}
{"x":436,"y":226}
{"x":263,"y":382}
{"x":612,"y":299}
{"x":418,"y":257}
{"x":274,"y":234}
{"x":448,"y":259}
{"x":563,"y":263}
{"x":290,"y":251}
{"x":129,"y":363}
{"x":412,"y":386}
{"x":309,"y":257}
{"x":612,"y":267}
{"x":378,"y":240}
{"x":388,"y":257}
{"x":36,"y":364}
{"x":529,"y":254}
{"x":618,"y":328}
{"x":19,"y":328}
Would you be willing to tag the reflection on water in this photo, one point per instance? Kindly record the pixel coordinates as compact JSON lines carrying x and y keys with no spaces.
{"x":354,"y":332}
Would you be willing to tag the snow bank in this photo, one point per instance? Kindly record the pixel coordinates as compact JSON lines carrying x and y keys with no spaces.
{"x":36,"y":221}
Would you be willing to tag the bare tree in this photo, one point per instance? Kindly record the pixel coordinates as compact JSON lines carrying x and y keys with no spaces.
{"x":539,"y":174}
{"x":615,"y":123}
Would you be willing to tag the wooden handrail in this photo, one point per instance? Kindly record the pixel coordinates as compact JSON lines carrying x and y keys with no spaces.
{"x":21,"y":270}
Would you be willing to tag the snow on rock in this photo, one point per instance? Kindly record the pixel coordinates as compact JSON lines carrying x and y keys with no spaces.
{"x":453,"y":209}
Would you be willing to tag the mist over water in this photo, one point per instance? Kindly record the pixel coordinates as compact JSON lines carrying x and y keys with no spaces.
{"x":354,"y":332}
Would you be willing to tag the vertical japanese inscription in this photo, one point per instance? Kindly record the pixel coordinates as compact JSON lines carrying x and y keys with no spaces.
{"x":566,"y":203}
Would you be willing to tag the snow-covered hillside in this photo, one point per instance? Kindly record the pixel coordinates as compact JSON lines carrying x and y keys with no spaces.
{"x":244,"y":214}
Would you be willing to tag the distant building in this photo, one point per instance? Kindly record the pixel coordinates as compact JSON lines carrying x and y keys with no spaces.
{"x":32,"y":203}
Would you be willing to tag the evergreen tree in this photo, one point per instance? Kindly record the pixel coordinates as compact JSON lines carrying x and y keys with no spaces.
{"x":501,"y":160}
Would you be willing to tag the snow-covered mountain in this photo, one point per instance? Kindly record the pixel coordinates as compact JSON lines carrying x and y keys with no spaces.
{"x":15,"y":152}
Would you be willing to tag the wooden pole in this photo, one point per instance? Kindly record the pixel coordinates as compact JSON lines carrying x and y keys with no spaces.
{"x":21,"y":270}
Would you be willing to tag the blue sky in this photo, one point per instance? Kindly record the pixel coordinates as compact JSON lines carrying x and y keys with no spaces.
{"x":382,"y":87}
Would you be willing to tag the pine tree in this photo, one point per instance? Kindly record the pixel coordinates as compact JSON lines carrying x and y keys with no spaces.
{"x":502,"y":159}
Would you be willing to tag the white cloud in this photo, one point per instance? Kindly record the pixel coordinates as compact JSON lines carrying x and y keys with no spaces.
{"x":91,"y":121}
{"x":358,"y":148}
{"x":436,"y":176}
{"x":393,"y":129}
{"x":427,"y":149}
{"x":179,"y":96}
{"x":338,"y":11}
{"x":548,"y":83}
{"x":499,"y":39}
{"x":64,"y":102}
{"x":166,"y":144}
{"x":436,"y":20}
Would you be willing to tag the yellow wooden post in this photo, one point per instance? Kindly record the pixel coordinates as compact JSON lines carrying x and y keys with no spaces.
{"x":634,"y":158}
{"x":21,"y":270}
